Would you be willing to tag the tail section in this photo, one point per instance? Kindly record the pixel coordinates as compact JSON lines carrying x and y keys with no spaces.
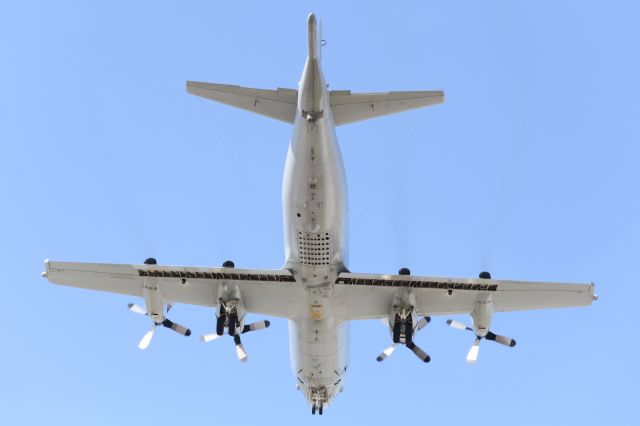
{"x":311,"y":97}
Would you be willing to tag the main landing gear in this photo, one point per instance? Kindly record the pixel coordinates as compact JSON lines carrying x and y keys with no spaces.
{"x":228,"y":317}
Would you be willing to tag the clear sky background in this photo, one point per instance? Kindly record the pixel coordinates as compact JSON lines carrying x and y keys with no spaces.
{"x":529,"y":170}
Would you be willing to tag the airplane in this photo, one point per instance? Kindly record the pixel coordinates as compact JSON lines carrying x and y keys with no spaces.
{"x":314,"y":290}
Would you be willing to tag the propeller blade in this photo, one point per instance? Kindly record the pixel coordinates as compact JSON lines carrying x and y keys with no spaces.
{"x":137,"y":309}
{"x":503,"y":340}
{"x":419,"y":352}
{"x":472,"y":356}
{"x":169,"y":306}
{"x":458,"y":325}
{"x":256,"y":326}
{"x":422,"y":323}
{"x":210,"y":337}
{"x":146,"y":339}
{"x":180,"y":329}
{"x":386,"y":353}
{"x":240,"y":352}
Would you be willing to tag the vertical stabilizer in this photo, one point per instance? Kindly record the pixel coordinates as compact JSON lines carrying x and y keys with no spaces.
{"x":312,"y":89}
{"x":314,"y":41}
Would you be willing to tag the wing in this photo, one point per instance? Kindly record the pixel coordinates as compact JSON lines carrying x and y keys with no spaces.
{"x":279,"y":104}
{"x":370,"y":295}
{"x":348,"y":107}
{"x":263,"y":291}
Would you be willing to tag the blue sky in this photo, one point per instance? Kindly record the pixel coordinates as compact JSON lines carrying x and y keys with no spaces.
{"x":529,"y":170}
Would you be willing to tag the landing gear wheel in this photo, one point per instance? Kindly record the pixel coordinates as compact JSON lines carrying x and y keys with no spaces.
{"x":313,"y":409}
{"x":220,"y":325}
{"x":408,"y":329}
{"x":320,"y":409}
{"x":232,"y":324}
{"x":397,"y":330}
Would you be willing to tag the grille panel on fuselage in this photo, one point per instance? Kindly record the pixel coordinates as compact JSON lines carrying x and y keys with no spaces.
{"x":314,"y":248}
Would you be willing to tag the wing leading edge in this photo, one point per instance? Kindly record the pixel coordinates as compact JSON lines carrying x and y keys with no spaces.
{"x":263,"y":291}
{"x":369,"y":296}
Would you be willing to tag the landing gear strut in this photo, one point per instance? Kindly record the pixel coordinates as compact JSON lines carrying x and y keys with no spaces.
{"x":318,"y":398}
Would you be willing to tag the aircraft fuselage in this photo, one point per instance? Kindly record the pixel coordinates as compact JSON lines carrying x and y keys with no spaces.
{"x":314,"y":199}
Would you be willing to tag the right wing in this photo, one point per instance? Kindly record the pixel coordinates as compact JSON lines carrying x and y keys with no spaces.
{"x":348,"y":107}
{"x":368,"y":296}
{"x":280,"y":104}
{"x":263,"y":291}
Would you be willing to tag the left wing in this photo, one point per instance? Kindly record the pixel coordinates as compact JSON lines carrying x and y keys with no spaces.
{"x":263,"y":291}
{"x":368,"y":296}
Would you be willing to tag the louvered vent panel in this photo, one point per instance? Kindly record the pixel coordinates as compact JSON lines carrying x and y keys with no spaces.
{"x":314,"y":249}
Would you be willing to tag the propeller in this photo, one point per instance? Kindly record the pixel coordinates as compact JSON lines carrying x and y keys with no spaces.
{"x":472,"y":355}
{"x":146,"y":339}
{"x":167,"y":323}
{"x":240,"y":352}
{"x":411,"y":345}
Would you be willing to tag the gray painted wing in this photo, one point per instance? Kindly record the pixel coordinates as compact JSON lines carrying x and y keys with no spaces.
{"x":370,"y":295}
{"x":263,"y":291}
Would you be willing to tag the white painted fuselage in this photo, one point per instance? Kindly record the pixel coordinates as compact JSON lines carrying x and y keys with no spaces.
{"x":314,"y":199}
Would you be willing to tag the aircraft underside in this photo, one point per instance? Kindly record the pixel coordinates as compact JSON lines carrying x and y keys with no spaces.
{"x":314,"y":290}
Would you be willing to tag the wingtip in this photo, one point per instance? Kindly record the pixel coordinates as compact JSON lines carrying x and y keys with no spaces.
{"x":45,"y":274}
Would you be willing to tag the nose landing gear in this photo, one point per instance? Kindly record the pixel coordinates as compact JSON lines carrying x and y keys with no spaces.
{"x":318,"y":398}
{"x":316,"y":407}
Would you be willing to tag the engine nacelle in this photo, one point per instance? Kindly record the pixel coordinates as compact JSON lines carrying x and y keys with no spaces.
{"x":153,"y":300}
{"x":482,"y":313}
{"x":231,"y":312}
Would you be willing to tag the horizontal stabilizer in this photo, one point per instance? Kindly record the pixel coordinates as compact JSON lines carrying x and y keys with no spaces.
{"x":279,"y":104}
{"x":350,"y":107}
